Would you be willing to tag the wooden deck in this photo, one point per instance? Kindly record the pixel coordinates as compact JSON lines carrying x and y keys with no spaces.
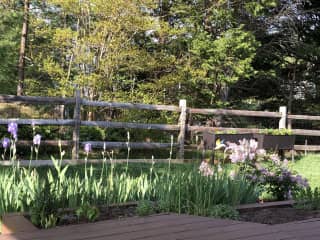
{"x":176,"y":227}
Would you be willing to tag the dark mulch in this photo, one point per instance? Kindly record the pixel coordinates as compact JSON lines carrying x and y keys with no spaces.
{"x":68,"y":217}
{"x":278,"y":215}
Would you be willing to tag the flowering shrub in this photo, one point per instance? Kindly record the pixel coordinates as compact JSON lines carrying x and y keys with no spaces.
{"x":266,"y":170}
{"x":205,"y":169}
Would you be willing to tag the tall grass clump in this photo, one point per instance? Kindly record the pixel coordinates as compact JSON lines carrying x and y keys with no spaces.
{"x":43,"y":192}
{"x":182,"y":191}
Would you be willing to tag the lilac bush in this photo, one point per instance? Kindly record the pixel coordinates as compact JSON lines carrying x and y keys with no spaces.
{"x":265,"y":169}
{"x":205,"y":169}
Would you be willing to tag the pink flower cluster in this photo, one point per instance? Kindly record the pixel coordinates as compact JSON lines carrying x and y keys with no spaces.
{"x":205,"y":169}
{"x":245,"y":151}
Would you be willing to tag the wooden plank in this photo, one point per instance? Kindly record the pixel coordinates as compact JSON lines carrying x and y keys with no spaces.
{"x":240,"y":231}
{"x":141,"y":106}
{"x":112,"y":230}
{"x":302,"y":132}
{"x":303,"y":117}
{"x":305,"y":132}
{"x":45,"y":142}
{"x":207,"y":230}
{"x":37,"y":100}
{"x":214,"y":129}
{"x":231,"y":112}
{"x":173,"y":227}
{"x":101,"y":144}
{"x":60,"y":122}
{"x":77,"y":230}
{"x":256,"y":206}
{"x":172,"y":232}
{"x":47,"y":162}
{"x":133,"y":145}
{"x":108,"y":124}
{"x":314,"y":148}
{"x":16,"y":223}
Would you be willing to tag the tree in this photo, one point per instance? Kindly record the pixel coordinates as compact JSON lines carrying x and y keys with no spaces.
{"x":22,"y":53}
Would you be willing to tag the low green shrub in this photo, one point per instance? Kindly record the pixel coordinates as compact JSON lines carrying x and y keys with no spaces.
{"x":89,"y":212}
{"x":308,"y":199}
{"x":145,"y":208}
{"x":92,"y":133}
{"x":283,"y":131}
{"x":44,"y":206}
{"x":223,"y":211}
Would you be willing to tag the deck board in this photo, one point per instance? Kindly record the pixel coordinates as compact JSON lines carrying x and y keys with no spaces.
{"x":176,"y":227}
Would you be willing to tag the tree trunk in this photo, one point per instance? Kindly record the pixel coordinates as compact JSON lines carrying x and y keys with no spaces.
{"x":292,"y":80}
{"x":24,"y":35}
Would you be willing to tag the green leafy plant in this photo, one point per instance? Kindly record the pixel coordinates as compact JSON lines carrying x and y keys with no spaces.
{"x":227,"y":132}
{"x":44,"y":208}
{"x":145,"y":208}
{"x":308,"y":199}
{"x":223,"y":211}
{"x":281,"y":132}
{"x":91,"y":213}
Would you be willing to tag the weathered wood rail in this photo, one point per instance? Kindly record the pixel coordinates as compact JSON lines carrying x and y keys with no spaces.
{"x":182,"y":126}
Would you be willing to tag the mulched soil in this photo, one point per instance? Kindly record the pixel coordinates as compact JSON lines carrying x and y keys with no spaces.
{"x":273,"y":215}
{"x":68,"y":217}
{"x":278,"y":215}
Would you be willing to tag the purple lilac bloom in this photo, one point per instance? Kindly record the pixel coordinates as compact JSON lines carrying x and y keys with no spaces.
{"x":37,"y":139}
{"x":87,"y":147}
{"x":5,"y":142}
{"x":261,"y":152}
{"x":275,"y":158}
{"x":13,"y":129}
{"x":285,"y":162}
{"x":244,"y":151}
{"x":205,"y":169}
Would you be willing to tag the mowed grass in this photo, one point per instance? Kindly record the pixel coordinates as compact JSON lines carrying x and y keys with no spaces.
{"x":309,"y":167}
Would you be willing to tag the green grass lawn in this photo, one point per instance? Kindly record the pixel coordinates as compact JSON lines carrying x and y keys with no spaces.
{"x":309,"y":167}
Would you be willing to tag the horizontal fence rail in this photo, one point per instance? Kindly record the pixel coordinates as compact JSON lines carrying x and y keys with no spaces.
{"x":304,"y":117}
{"x":46,"y":162}
{"x":102,"y":144}
{"x":59,"y":122}
{"x":46,"y":142}
{"x":132,"y":145}
{"x":108,"y":124}
{"x":235,"y":112}
{"x":38,"y":100}
{"x":314,"y":148}
{"x":215,"y":129}
{"x":182,"y":126}
{"x":140,"y":106}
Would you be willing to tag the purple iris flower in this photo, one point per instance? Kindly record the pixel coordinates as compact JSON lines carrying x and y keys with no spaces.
{"x":87,"y":147}
{"x":13,"y":129}
{"x":37,"y":139}
{"x":5,"y":142}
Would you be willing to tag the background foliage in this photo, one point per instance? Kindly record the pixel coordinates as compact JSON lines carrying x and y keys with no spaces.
{"x":239,"y":54}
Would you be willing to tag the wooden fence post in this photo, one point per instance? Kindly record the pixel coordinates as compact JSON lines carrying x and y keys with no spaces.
{"x":76,"y":129}
{"x":282,"y":121}
{"x":182,"y":124}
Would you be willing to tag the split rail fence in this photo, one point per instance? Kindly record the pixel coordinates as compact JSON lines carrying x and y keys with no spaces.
{"x":182,"y":126}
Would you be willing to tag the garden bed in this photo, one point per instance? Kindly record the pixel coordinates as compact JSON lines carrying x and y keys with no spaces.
{"x":114,"y":211}
{"x":275,"y":213}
